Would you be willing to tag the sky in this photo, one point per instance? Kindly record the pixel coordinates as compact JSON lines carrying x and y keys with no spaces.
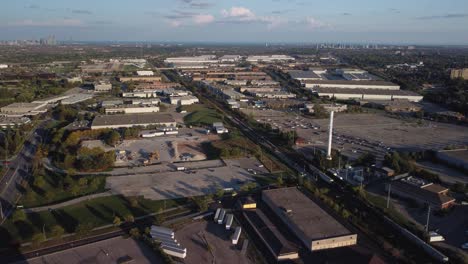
{"x":260,"y":21}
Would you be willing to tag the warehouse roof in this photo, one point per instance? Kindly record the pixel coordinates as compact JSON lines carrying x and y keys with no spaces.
{"x":346,"y":82}
{"x":304,"y":214}
{"x":365,"y":91}
{"x":422,"y":193}
{"x":135,"y":119}
{"x":295,"y":74}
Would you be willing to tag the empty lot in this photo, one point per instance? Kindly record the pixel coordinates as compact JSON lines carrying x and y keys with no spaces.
{"x":115,"y":248}
{"x":193,"y":238}
{"x":177,"y":184}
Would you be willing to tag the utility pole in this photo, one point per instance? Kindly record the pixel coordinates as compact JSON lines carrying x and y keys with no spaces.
{"x":43,"y":231}
{"x":388,"y":195}
{"x":1,"y":210}
{"x":428,"y":215}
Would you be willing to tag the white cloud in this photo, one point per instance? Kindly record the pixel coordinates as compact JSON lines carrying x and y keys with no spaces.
{"x":203,"y":19}
{"x":175,"y":23}
{"x":239,"y":12}
{"x":67,"y":22}
{"x":313,"y":23}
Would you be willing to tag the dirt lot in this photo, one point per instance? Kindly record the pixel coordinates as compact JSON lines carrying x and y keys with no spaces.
{"x":176,"y":184}
{"x":184,"y":146}
{"x":115,"y":248}
{"x":193,"y":236}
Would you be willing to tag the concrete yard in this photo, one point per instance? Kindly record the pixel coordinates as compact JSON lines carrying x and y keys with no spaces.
{"x":193,"y":238}
{"x":107,"y":251}
{"x":177,"y":184}
{"x":397,"y":133}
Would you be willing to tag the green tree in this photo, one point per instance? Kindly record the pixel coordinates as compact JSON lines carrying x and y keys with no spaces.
{"x":159,"y":217}
{"x":75,"y":190}
{"x":18,"y":215}
{"x":112,"y":138}
{"x":39,"y":182}
{"x":279,"y":181}
{"x":201,"y":202}
{"x":57,"y":231}
{"x":117,"y":221}
{"x":83,"y":229}
{"x":49,"y":196}
{"x":129,"y":218}
{"x":135,"y":233}
{"x":83,"y":182}
{"x":37,"y":239}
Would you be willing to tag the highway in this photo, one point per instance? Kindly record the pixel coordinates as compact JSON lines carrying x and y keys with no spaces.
{"x":19,"y":169}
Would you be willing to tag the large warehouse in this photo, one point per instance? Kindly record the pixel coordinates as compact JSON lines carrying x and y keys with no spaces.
{"x":351,"y":84}
{"x":367,"y":94}
{"x":311,"y":224}
{"x":131,"y":120}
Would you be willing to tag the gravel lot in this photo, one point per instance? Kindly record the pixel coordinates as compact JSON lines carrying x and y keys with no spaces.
{"x":171,"y":148}
{"x":176,"y":184}
{"x":218,"y":238}
{"x":116,"y":248}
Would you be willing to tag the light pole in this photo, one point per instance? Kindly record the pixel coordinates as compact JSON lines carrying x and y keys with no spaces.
{"x":428,"y":215}
{"x":388,"y":195}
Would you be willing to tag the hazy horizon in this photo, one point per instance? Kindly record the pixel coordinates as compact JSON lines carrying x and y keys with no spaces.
{"x":276,"y":21}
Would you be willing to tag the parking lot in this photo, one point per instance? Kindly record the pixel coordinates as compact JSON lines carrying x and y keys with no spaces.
{"x":114,"y":250}
{"x":177,"y":184}
{"x":195,"y":238}
{"x":355,"y":134}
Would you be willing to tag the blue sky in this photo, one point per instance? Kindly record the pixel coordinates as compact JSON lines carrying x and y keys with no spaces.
{"x":364,"y":21}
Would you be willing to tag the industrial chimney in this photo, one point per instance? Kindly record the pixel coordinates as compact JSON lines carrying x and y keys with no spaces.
{"x":330,"y":137}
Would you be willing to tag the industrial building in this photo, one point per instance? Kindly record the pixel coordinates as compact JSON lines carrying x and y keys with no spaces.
{"x":132,"y":120}
{"x":273,"y":94}
{"x":144,"y":78}
{"x":141,"y":94}
{"x":311,"y":224}
{"x":23,"y":109}
{"x":145,"y":73}
{"x":102,"y":87}
{"x":230,"y":58}
{"x":183,"y":100}
{"x":76,"y":98}
{"x":269,"y":58}
{"x":421,"y":191}
{"x":308,"y":75}
{"x":131,"y":109}
{"x":328,"y":107}
{"x":280,"y":245}
{"x":351,"y":84}
{"x":6,"y":121}
{"x":367,"y":94}
{"x":219,"y":128}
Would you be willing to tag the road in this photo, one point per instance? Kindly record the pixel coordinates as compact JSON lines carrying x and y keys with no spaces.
{"x":19,"y":169}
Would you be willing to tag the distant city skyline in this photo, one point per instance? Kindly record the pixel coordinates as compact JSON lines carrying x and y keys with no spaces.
{"x":285,"y":21}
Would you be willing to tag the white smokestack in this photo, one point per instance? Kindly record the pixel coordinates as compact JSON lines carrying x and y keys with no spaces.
{"x":330,"y":137}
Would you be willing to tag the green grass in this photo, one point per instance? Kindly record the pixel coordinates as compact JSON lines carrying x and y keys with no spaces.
{"x":54,"y":192}
{"x":200,"y":114}
{"x":392,"y":212}
{"x":96,"y":212}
